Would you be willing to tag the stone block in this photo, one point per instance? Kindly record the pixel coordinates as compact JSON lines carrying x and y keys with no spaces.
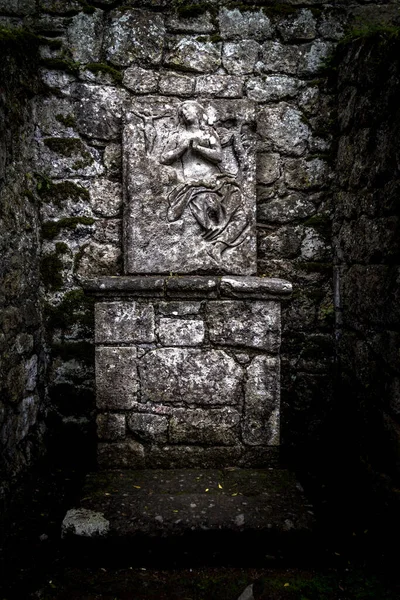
{"x":300,"y":26}
{"x":112,"y":159}
{"x":272,"y":87}
{"x":99,"y":111}
{"x":239,"y":58}
{"x":219,"y":86}
{"x":124,"y":322}
{"x":235,"y":323}
{"x":282,"y":128}
{"x":106,"y":197}
{"x":238,"y":25}
{"x":149,"y":427}
{"x":201,"y":200}
{"x":306,"y":174}
{"x":186,"y":287}
{"x":190,"y":54}
{"x":111,"y":426}
{"x":141,"y":81}
{"x":268,"y":167}
{"x":278,"y":58}
{"x":190,"y":376}
{"x":116,"y":378}
{"x":199,"y":24}
{"x":120,"y":455}
{"x":180,"y":309}
{"x":179,"y":332}
{"x":175,"y":457}
{"x":219,"y":427}
{"x":85,"y":35}
{"x":174,"y":84}
{"x":313,"y":57}
{"x":67,"y":157}
{"x":260,"y":423}
{"x":134,"y":36}
{"x":256,"y":288}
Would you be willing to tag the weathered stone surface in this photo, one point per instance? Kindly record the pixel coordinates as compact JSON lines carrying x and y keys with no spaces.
{"x":58,"y":81}
{"x":120,"y":455}
{"x":85,"y":35}
{"x":314,"y":57}
{"x":278,"y":58}
{"x":178,"y":332}
{"x":149,"y":427}
{"x":282,"y":128}
{"x":299,"y":26}
{"x":50,"y":114}
{"x":84,"y":523}
{"x":174,"y":84}
{"x":272,"y":87}
{"x":199,"y":199}
{"x":254,"y":287}
{"x":286,"y":209}
{"x":116,"y":378}
{"x":190,"y":54}
{"x":331,"y":26}
{"x":239,"y":58}
{"x":186,"y":457}
{"x":203,"y":377}
{"x":97,"y":259}
{"x":111,"y":426}
{"x":132,"y":286}
{"x":99,"y":110}
{"x":134,"y":36}
{"x":187,"y":287}
{"x":241,"y":25}
{"x":141,"y":81}
{"x":219,"y":86}
{"x":126,"y":322}
{"x":260,"y":425}
{"x":67,"y":157}
{"x":106,"y":198}
{"x":199,"y":24}
{"x":112,"y":159}
{"x":179,"y":308}
{"x":305,"y":174}
{"x":217,"y":427}
{"x":255,"y":325}
{"x":268,"y":167}
{"x":314,"y":247}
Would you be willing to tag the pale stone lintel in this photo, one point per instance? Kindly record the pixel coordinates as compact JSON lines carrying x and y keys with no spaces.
{"x":189,"y":287}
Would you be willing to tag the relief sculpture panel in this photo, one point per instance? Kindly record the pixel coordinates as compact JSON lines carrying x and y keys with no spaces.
{"x":189,"y":180}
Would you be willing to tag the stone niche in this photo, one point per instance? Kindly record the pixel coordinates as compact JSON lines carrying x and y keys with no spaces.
{"x":189,"y":181}
{"x":187,"y":371}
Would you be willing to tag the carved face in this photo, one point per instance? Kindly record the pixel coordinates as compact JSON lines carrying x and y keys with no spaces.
{"x":189,"y":112}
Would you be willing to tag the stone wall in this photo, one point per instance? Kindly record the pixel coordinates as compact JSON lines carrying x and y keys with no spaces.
{"x":367,"y":250}
{"x":21,"y":328}
{"x":95,"y":59}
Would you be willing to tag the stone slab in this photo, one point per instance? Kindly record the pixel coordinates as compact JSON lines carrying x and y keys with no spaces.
{"x":124,"y":322}
{"x":116,"y":378}
{"x":204,"y":515}
{"x":189,"y":182}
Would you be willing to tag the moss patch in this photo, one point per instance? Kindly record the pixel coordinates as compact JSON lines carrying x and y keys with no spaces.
{"x":50,"y":229}
{"x":58,"y":193}
{"x":67,"y":120}
{"x":75,"y":308}
{"x":67,"y":146}
{"x":106,"y":69}
{"x":61,"y":64}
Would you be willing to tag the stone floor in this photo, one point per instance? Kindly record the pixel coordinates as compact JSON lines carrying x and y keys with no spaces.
{"x":228,"y":516}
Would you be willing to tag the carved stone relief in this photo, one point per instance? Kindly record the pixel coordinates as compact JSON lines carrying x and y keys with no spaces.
{"x":189,"y":178}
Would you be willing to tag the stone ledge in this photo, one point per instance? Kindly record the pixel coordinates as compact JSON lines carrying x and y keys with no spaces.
{"x":261,"y":288}
{"x":196,"y":514}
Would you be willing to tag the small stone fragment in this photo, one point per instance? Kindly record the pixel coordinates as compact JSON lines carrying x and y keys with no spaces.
{"x":84,"y":523}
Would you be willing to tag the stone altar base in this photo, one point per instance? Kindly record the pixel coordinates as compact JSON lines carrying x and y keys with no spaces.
{"x":180,"y":517}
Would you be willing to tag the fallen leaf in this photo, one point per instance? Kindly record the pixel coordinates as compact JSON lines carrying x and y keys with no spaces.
{"x":137,"y":487}
{"x":235,"y":494}
{"x":207,"y":489}
{"x":286,"y":585}
{"x":220,"y":486}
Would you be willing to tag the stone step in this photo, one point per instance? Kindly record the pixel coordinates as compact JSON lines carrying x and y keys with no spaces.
{"x":189,"y":516}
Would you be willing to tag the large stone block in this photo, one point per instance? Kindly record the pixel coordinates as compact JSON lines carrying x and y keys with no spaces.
{"x":124,"y":322}
{"x":116,"y":378}
{"x":191,"y":54}
{"x":239,"y":58}
{"x":149,"y":427}
{"x":99,"y":110}
{"x":272,"y":87}
{"x":134,"y":36}
{"x":260,"y":423}
{"x":282,"y":128}
{"x":85,"y":35}
{"x":120,"y":455}
{"x":190,"y":376}
{"x":179,"y":332}
{"x":189,"y":186}
{"x":111,"y":426}
{"x":219,"y":86}
{"x":241,"y":25}
{"x":219,"y":427}
{"x":254,"y":325}
{"x":299,"y":26}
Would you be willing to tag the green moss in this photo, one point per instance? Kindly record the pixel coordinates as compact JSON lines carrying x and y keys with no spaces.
{"x":53,"y":44}
{"x":215,"y":38}
{"x":67,"y":120}
{"x":78,"y":256}
{"x":58,"y":193}
{"x":69,"y":147}
{"x":104,"y":68}
{"x":61,"y":64}
{"x":75,"y":308}
{"x":87,"y":8}
{"x":62,"y":248}
{"x":50,"y":229}
{"x":28,"y":194}
{"x":18,"y":41}
{"x":370,"y":30}
{"x":187,"y":10}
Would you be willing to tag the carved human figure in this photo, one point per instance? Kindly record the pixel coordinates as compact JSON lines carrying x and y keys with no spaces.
{"x":213,"y":196}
